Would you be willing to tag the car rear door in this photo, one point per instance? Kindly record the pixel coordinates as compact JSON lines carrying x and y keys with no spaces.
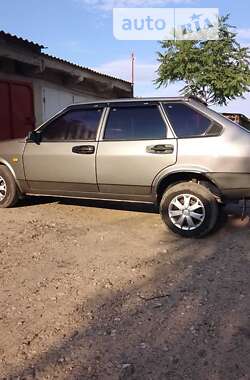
{"x":64,"y":162}
{"x":135,"y":145}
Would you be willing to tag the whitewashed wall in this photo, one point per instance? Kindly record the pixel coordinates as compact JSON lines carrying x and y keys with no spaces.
{"x":55,"y":99}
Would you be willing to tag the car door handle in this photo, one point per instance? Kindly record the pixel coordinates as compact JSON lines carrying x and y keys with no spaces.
{"x":160,"y":149}
{"x":83,"y":149}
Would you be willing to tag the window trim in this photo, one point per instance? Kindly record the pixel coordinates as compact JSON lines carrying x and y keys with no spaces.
{"x":70,"y":109}
{"x":133,"y":105}
{"x":197,"y":110}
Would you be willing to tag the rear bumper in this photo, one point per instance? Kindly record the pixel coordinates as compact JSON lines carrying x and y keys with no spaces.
{"x":232,"y":185}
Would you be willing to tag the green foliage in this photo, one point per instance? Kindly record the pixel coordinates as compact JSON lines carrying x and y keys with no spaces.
{"x":216,"y":71}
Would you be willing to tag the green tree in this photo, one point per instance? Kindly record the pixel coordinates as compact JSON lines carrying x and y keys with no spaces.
{"x":215,"y":70}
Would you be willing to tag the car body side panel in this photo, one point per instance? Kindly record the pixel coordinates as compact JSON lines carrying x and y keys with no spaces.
{"x":11,"y":155}
{"x":127,"y":167}
{"x":227,"y":153}
{"x":225,"y":160}
{"x":52,"y":166}
{"x":220,"y":157}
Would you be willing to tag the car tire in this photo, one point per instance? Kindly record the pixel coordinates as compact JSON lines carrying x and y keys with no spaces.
{"x":9,"y":193}
{"x":189,"y":209}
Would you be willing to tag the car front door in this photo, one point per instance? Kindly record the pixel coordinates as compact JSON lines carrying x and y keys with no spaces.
{"x":64,"y":161}
{"x":134,"y":147}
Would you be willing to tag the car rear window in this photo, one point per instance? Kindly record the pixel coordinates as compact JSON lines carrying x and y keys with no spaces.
{"x":186,"y":121}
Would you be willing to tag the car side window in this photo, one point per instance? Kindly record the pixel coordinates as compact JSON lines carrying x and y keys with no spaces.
{"x":135,"y":123}
{"x":187,"y":122}
{"x":74,"y":125}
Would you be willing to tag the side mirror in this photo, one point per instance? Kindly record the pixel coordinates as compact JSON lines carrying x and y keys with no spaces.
{"x":34,"y":137}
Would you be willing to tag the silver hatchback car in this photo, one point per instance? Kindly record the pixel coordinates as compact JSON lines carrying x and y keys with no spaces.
{"x":173,"y":152}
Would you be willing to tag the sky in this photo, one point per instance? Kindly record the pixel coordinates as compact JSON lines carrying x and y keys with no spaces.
{"x":81,"y":31}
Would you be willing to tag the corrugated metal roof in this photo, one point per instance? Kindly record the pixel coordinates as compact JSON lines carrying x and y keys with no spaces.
{"x":39,"y":47}
{"x":21,"y":40}
{"x":83,"y":68}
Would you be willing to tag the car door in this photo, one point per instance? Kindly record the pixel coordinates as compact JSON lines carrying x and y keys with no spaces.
{"x":134,"y":147}
{"x":64,"y":162}
{"x":199,"y":141}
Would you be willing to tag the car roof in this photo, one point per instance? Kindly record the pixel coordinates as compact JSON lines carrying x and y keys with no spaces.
{"x":107,"y":102}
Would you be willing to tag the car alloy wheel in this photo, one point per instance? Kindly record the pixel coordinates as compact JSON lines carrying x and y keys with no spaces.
{"x":187,"y":212}
{"x":3,"y":189}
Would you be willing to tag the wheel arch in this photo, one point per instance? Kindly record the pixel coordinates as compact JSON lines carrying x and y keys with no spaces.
{"x":5,"y":163}
{"x":173,"y":178}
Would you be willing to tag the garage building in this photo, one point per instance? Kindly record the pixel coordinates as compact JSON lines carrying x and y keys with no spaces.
{"x":34,"y":85}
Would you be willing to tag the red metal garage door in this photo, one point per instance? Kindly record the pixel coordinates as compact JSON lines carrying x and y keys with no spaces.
{"x":16,"y":109}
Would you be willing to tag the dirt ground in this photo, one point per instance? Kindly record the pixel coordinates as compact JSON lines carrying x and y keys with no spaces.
{"x":92,"y":290}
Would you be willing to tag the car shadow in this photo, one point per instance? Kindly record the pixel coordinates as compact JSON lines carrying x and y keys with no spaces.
{"x":232,"y":211}
{"x":112,"y":205}
{"x":28,"y":201}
